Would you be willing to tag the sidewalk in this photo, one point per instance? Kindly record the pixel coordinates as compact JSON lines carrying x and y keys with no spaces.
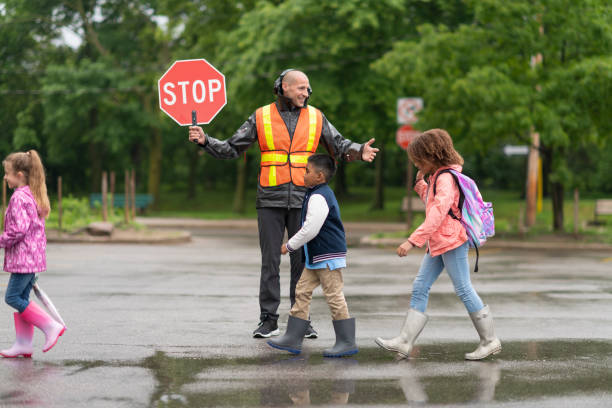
{"x":360,"y":233}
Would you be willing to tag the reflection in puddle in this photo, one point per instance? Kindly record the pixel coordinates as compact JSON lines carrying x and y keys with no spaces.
{"x":437,"y":374}
{"x":16,"y":386}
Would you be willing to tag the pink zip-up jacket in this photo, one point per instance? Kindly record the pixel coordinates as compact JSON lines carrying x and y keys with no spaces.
{"x":24,"y":240}
{"x":440,"y":231}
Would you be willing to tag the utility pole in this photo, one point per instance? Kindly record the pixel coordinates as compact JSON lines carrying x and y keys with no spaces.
{"x":532,"y":179}
{"x":533,"y":162}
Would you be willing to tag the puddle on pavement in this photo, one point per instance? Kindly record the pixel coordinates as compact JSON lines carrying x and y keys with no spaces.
{"x":525,"y":373}
{"x":435,"y":374}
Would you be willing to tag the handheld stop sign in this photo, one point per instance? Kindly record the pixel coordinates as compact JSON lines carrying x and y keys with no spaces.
{"x":192,"y":92}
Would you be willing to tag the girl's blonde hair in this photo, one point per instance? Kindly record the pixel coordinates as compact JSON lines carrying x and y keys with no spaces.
{"x":31,"y":166}
{"x":434,"y":146}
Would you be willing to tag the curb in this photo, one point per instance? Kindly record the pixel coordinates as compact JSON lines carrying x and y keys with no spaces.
{"x":123,"y":237}
{"x":197,"y":223}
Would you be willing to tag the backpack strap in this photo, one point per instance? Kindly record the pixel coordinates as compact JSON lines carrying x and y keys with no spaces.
{"x":461,"y":195}
{"x":460,"y":205}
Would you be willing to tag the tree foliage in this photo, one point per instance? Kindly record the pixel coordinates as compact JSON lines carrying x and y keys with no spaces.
{"x":516,"y":67}
{"x":93,"y":106}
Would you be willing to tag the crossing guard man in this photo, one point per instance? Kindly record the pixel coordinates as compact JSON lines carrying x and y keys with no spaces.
{"x":287,"y":131}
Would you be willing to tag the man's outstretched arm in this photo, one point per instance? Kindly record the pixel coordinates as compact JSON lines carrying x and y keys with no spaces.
{"x":231,"y":148}
{"x":344,"y":149}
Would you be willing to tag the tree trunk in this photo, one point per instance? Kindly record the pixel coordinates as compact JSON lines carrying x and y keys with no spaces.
{"x":546,"y":170}
{"x":554,"y":188}
{"x":95,"y":154}
{"x":95,"y":164}
{"x":379,"y":198}
{"x":155,"y":154}
{"x":340,"y":187}
{"x":155,"y":158}
{"x":557,"y":203}
{"x":193,"y":169}
{"x":240,"y":191}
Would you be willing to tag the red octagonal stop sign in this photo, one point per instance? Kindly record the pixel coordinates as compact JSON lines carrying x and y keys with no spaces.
{"x":404,"y":136}
{"x":190,"y":85}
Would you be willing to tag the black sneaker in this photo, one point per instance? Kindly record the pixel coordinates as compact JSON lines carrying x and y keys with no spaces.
{"x":266,"y":328}
{"x":311,"y":333}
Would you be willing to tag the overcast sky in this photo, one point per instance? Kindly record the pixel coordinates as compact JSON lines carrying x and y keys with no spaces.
{"x":74,"y":40}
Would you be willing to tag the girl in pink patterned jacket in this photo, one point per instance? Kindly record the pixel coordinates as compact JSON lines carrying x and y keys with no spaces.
{"x":24,"y":242}
{"x":447,"y":246}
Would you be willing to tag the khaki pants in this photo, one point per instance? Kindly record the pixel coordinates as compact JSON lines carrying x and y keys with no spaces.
{"x":331,"y":282}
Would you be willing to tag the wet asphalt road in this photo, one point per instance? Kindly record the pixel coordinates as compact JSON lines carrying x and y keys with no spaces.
{"x":170,"y":326}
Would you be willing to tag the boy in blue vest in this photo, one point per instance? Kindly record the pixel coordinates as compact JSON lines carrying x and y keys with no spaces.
{"x":324,"y":248}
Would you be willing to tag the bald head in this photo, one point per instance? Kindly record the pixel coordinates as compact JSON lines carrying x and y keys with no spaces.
{"x":295,"y":88}
{"x":292,"y":76}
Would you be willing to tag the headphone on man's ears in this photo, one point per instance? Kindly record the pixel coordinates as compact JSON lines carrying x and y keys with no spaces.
{"x":278,"y":83}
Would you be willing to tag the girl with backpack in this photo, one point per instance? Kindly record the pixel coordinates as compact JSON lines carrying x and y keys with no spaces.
{"x":447,"y":245}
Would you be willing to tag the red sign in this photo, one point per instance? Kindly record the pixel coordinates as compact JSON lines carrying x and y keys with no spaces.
{"x":404,"y":136}
{"x":190,"y":85}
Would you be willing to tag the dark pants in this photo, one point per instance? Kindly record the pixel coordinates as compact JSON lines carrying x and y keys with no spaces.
{"x":272,"y":224}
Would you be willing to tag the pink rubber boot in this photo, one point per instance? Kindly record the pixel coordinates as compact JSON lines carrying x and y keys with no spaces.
{"x":39,"y":318}
{"x":23,"y":343}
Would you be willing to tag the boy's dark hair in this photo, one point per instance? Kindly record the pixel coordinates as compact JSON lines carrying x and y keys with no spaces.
{"x":325,"y":164}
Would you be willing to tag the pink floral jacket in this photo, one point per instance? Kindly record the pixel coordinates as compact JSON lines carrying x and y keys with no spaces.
{"x":24,"y":236}
{"x":439,"y":230}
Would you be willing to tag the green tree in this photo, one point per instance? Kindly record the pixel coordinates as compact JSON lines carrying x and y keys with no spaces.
{"x":479,"y":82}
{"x":23,"y":59}
{"x":204,"y":25}
{"x":91,"y":108}
{"x":99,"y":99}
{"x":334,"y":42}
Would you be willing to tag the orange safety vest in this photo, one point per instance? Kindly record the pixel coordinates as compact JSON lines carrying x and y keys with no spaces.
{"x":283,"y":159}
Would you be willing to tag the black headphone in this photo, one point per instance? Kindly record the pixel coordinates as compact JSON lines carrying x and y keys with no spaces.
{"x":278,"y":84}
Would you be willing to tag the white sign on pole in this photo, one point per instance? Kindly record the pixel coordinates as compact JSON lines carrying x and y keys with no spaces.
{"x":521,"y":150}
{"x":407,"y":109}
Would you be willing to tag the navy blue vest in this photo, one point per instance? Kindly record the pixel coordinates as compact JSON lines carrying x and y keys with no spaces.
{"x":330,"y":242}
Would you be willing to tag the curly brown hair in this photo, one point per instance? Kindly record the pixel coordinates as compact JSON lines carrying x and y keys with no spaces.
{"x":434,"y":146}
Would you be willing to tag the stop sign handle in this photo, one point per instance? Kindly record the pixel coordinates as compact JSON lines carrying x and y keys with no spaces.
{"x":194,"y":118}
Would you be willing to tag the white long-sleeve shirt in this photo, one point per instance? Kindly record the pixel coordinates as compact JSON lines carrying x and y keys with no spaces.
{"x":316,"y":213}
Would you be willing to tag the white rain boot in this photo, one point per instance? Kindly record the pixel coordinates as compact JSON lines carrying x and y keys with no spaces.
{"x":402,"y":344}
{"x":489,"y":343}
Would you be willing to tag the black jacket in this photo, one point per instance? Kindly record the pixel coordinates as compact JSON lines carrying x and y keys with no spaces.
{"x":285,"y":195}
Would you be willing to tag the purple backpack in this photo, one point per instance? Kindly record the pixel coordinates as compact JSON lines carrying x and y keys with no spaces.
{"x":476,"y":214}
